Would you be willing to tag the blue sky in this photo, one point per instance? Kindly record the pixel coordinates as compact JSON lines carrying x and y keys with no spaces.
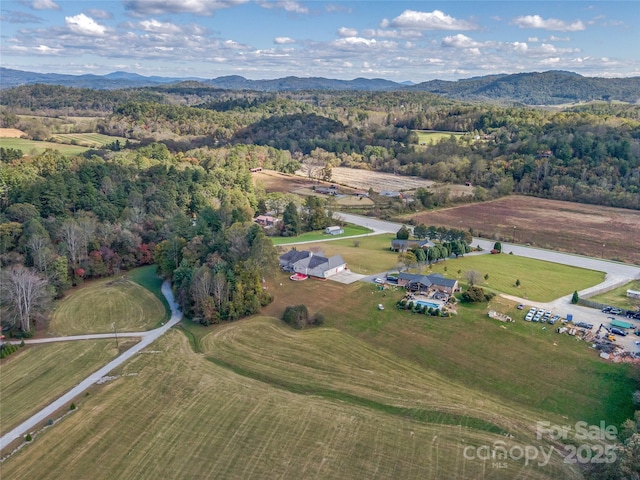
{"x":396,"y":40}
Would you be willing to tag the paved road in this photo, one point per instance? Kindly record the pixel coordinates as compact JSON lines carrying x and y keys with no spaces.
{"x":612,"y":268}
{"x":146,"y":339}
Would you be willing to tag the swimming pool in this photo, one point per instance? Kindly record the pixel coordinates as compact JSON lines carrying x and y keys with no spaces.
{"x":422,"y":303}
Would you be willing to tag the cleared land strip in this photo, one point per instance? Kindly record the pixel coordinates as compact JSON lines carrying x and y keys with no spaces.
{"x":147,"y":339}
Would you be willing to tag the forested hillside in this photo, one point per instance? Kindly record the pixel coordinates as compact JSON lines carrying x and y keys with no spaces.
{"x":546,"y":88}
{"x":178,"y":192}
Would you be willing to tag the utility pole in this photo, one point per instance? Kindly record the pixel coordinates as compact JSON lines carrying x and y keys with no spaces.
{"x":115,"y":333}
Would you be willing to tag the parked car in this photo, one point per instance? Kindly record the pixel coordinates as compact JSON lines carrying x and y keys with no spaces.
{"x":554,"y":319}
{"x":606,"y":309}
{"x":615,"y":311}
{"x":617,"y":331}
{"x":378,"y":280}
{"x":529,"y":317}
{"x":584,"y":325}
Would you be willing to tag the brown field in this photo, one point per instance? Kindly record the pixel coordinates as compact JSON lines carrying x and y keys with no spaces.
{"x":11,"y":133}
{"x":352,"y":179}
{"x":564,"y":226}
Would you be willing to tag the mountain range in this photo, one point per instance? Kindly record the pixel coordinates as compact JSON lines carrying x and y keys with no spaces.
{"x":534,"y":88}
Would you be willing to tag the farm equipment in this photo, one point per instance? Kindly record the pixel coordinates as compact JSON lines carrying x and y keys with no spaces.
{"x":609,"y":336}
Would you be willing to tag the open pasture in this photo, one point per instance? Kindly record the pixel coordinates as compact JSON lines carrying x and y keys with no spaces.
{"x":35,"y":375}
{"x":539,"y":281}
{"x":182,"y":416}
{"x":518,"y":362}
{"x":91,"y":140}
{"x":10,"y":133}
{"x":35,"y":147}
{"x":590,"y":230}
{"x":99,"y":305}
{"x":429,"y":137}
{"x":379,"y":181}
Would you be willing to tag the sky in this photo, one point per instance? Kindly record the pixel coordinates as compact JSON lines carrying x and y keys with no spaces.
{"x":264,"y":39}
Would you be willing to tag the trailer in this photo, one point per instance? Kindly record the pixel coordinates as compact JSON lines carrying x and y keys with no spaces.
{"x":621,"y":323}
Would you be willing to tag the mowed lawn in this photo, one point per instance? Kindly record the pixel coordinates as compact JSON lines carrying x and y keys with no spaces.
{"x":618,"y":296}
{"x":100,"y":305}
{"x":92,"y":140}
{"x":37,"y":147}
{"x":182,"y":416}
{"x":35,"y":375}
{"x":518,"y":363}
{"x":539,"y":281}
{"x":429,"y":137}
{"x":349,"y":230}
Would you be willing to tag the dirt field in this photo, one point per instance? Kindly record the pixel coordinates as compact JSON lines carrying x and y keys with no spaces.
{"x":357,"y":180}
{"x":10,"y":133}
{"x":569,"y":227}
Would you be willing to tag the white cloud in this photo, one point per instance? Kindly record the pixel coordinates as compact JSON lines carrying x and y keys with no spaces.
{"x":347,"y":32}
{"x":391,"y":33}
{"x":101,"y":14}
{"x":460,"y":41}
{"x":290,"y":6}
{"x":520,"y":46}
{"x":337,"y":9}
{"x":536,"y":21}
{"x":550,"y":61}
{"x":83,"y":25}
{"x":159,"y":7}
{"x":533,"y":39}
{"x":45,"y":49}
{"x":45,"y":5}
{"x":349,"y":41}
{"x":553,"y":38}
{"x":283,"y":40}
{"x":159,"y":27}
{"x":435,"y":20}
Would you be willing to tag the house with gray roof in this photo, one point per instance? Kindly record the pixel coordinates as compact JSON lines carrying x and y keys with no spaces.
{"x":424,"y":283}
{"x":312,"y":264}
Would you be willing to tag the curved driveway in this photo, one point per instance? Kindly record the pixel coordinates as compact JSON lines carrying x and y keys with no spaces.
{"x":147,"y":338}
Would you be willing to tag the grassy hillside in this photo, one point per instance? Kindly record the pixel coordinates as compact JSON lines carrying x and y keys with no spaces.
{"x":37,"y":374}
{"x":37,"y":147}
{"x":98,"y":305}
{"x":182,"y":416}
{"x":519,"y":363}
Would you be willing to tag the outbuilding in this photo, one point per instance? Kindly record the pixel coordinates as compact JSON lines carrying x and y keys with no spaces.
{"x":335,"y":230}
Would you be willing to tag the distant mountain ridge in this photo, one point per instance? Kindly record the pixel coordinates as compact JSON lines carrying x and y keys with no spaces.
{"x":534,"y":88}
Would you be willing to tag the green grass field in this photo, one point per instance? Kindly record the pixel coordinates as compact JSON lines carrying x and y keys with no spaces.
{"x":35,"y":375}
{"x":29,"y":147}
{"x":429,"y":137}
{"x":618,"y":296}
{"x":98,"y":305}
{"x":182,"y":416}
{"x":91,"y":140}
{"x":149,"y":279}
{"x":349,"y":230}
{"x":539,"y":281}
{"x":519,"y":363}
